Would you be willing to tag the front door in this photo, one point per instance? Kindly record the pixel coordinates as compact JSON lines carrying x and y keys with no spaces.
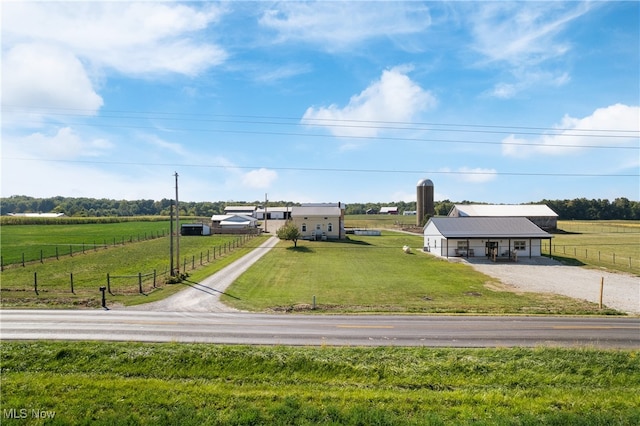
{"x":489,"y":247}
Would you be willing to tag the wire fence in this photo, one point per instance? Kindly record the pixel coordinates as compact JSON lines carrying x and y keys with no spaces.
{"x":593,"y":256}
{"x":57,"y":251}
{"x":116,"y":284}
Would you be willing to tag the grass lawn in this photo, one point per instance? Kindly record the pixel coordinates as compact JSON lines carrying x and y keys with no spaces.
{"x":196,"y":384}
{"x":373,"y":274}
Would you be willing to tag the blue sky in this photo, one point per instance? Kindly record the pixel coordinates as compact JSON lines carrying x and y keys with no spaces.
{"x":354,"y":101}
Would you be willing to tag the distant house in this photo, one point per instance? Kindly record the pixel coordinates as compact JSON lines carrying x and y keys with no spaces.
{"x":506,"y":237}
{"x":319,"y":221}
{"x":195,"y":229}
{"x":540,"y":214}
{"x":388,"y":210}
{"x":221,"y":222}
{"x":242,"y":210}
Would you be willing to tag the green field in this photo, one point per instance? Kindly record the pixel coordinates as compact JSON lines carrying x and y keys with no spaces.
{"x":197,"y":384}
{"x":604,"y":244}
{"x":122,"y":262}
{"x":34,"y":240}
{"x":373,"y":274}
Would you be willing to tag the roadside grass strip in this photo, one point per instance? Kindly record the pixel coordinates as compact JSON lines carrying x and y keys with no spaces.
{"x":136,"y":383}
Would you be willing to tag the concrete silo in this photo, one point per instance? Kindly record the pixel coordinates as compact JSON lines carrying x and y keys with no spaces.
{"x":424,"y":206}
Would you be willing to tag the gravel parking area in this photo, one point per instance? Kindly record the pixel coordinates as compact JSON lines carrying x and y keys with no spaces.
{"x":544,"y":275}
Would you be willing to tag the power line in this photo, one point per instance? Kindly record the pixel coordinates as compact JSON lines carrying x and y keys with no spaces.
{"x":383,"y":138}
{"x":321,"y":169}
{"x":332,"y":122}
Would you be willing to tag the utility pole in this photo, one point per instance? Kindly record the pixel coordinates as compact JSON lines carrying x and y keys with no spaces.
{"x":177,"y":227}
{"x":173,"y":273}
{"x":265,"y":212}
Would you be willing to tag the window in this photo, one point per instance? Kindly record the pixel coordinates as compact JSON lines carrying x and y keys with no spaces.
{"x":329,"y":228}
{"x":520,"y":245}
{"x":463,"y":245}
{"x":304,"y":227}
{"x":318,"y":227}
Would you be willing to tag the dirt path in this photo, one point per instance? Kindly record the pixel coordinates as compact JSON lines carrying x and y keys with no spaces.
{"x":205,"y":295}
{"x":544,"y":275}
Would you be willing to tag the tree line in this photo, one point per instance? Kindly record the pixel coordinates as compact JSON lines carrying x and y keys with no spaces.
{"x":575,"y":209}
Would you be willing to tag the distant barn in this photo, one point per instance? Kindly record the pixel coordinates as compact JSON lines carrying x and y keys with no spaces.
{"x":540,"y":214}
{"x":195,"y":229}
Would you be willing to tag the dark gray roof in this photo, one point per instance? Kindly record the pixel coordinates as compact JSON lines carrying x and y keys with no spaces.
{"x":487,"y":227}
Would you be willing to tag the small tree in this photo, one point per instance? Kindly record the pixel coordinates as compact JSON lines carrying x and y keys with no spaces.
{"x":289,"y":232}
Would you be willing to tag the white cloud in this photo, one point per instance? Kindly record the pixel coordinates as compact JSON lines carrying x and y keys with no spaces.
{"x":46,"y":76}
{"x":54,"y":53}
{"x":524,"y":36}
{"x":477,"y":175}
{"x":335,"y":26}
{"x":260,"y":178}
{"x":394,"y":97}
{"x":65,"y":144}
{"x":522,"y":33}
{"x":137,"y":37}
{"x":615,"y":125}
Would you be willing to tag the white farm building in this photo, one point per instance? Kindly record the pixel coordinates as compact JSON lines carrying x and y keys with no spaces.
{"x":540,"y":214}
{"x":496,"y":237}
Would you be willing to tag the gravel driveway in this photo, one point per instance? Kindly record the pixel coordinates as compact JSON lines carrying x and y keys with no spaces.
{"x":544,"y":275}
{"x":204,"y":296}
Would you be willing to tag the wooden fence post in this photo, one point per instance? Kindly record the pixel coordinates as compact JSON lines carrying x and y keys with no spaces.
{"x":71,"y":281}
{"x":109,"y":284}
{"x":154,"y":278}
{"x":601,"y":291}
{"x":140,"y":282}
{"x":35,"y":282}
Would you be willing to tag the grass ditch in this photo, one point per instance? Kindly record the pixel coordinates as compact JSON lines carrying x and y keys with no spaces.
{"x":142,"y":383}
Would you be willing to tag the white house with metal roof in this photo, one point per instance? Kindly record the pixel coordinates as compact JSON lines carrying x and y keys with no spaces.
{"x":495,"y":237}
{"x":319,"y":221}
{"x":540,"y":214}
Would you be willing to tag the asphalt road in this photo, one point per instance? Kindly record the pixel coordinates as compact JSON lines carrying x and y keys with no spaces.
{"x":311,"y":330}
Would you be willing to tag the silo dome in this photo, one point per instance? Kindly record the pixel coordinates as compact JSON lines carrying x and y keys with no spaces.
{"x":425,"y":182}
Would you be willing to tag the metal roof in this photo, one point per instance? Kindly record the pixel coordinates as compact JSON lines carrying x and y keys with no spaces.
{"x":503,"y":210}
{"x":240,"y":208}
{"x":486,"y":227}
{"x":297,"y":211}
